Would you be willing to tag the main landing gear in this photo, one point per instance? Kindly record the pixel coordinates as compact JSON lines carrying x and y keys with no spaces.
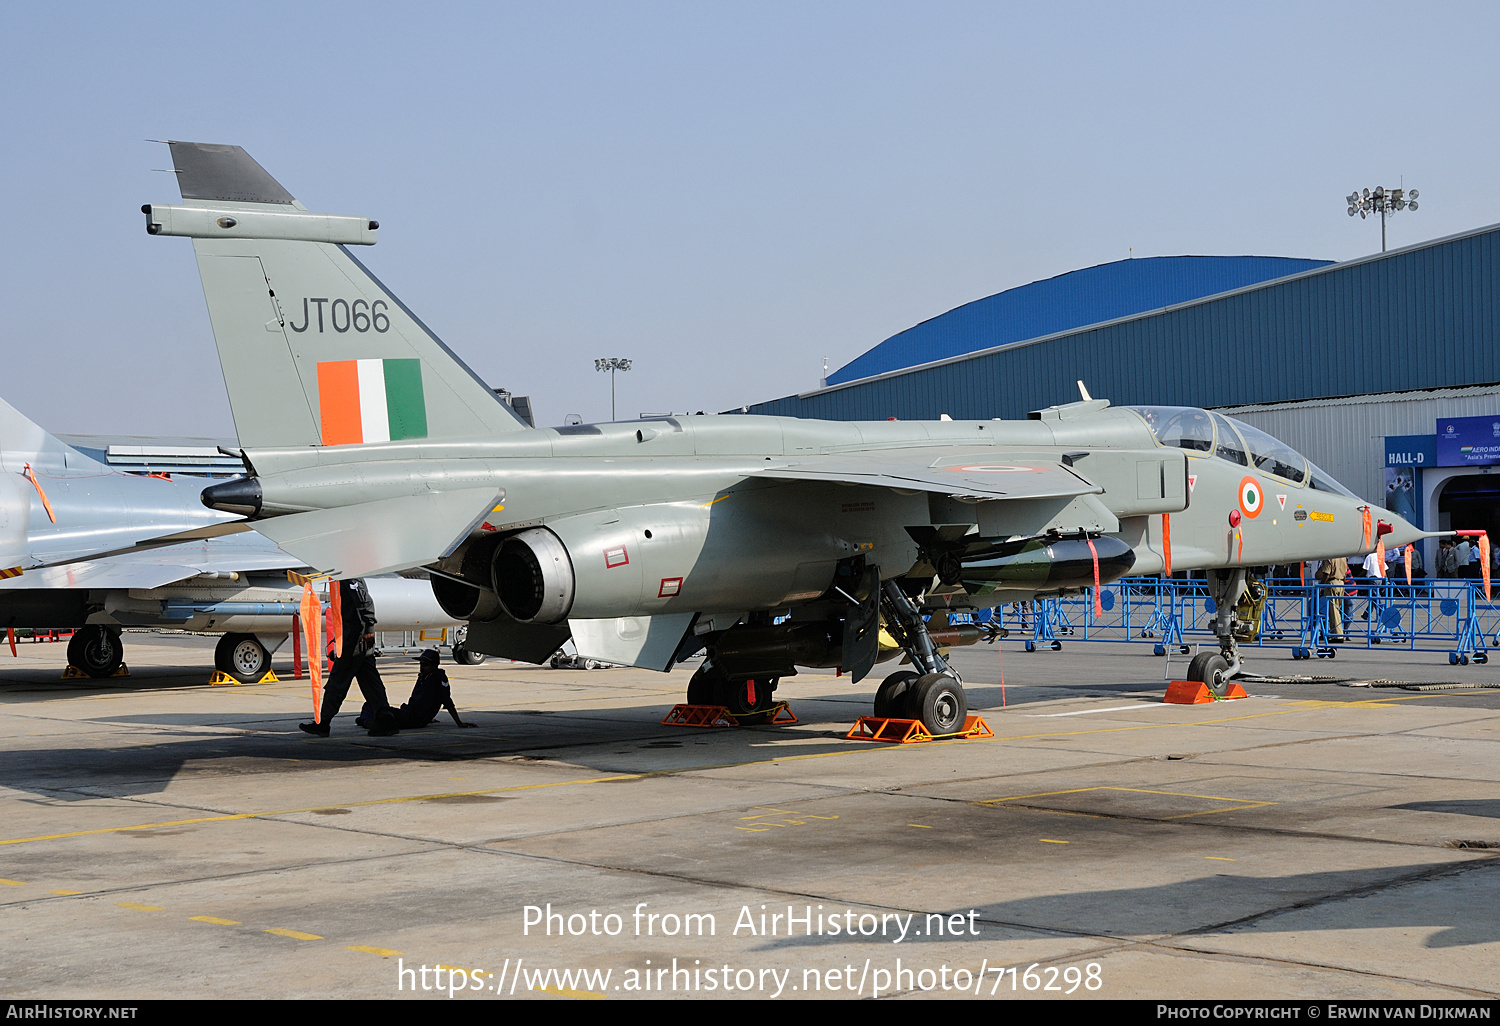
{"x":243,"y":657}
{"x":1215,"y":669}
{"x":932,"y":692}
{"x":711,"y":686}
{"x":96,"y":650}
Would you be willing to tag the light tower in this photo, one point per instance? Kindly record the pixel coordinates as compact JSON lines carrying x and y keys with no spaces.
{"x":612,"y":364}
{"x":1385,"y":201}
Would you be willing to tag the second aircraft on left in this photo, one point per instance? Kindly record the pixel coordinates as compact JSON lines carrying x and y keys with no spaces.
{"x":66,"y":521}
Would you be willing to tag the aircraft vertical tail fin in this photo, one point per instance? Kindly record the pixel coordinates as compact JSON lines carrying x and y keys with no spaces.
{"x":314,"y":349}
{"x":23,"y":441}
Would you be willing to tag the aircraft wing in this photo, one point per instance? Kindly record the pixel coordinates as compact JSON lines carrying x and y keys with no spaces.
{"x":947,"y":471}
{"x":159,"y":566}
{"x":382,"y":536}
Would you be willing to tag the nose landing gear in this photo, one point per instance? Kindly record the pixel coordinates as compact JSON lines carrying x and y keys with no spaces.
{"x":1216,"y":669}
{"x":935,"y":695}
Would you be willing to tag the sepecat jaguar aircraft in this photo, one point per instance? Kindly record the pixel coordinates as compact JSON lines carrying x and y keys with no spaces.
{"x":766,"y":543}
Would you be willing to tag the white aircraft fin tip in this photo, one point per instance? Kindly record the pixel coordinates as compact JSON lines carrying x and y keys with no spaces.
{"x":1084,"y":392}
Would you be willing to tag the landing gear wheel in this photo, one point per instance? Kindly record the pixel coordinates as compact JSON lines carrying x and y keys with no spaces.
{"x":243,"y":657}
{"x":96,"y":650}
{"x":466,"y":656}
{"x":939,"y":702}
{"x":892,"y":698}
{"x":746,"y":697}
{"x":463,"y":654}
{"x":703,"y":688}
{"x":1212,"y":669}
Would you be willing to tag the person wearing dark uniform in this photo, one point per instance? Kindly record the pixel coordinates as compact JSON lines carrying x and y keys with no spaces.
{"x":430,"y":696}
{"x":356,"y":663}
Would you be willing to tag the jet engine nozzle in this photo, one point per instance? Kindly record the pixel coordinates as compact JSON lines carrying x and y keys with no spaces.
{"x":241,"y":496}
{"x":465,"y":601}
{"x":533,"y":577}
{"x":1047,"y":566}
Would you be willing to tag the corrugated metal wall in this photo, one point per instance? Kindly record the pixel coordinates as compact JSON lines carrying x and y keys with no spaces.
{"x":1418,"y":318}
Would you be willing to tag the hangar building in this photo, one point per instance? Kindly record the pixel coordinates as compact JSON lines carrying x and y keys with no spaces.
{"x":1384,"y":370}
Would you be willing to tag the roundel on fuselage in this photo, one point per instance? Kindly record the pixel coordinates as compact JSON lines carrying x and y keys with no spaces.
{"x":1252,"y":497}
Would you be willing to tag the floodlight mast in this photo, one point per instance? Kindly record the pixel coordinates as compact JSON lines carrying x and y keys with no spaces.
{"x":612,"y":364}
{"x":1382,"y":200}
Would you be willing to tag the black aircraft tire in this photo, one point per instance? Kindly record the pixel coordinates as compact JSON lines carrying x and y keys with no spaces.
{"x":465,"y":656}
{"x":891,"y":698}
{"x":703,"y":688}
{"x":96,"y":650}
{"x":736,"y":695}
{"x":222,"y":650}
{"x":1212,"y":669}
{"x":940,"y":703}
{"x":243,"y":657}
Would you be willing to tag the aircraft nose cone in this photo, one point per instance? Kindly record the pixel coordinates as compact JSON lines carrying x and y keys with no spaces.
{"x":1402,"y":531}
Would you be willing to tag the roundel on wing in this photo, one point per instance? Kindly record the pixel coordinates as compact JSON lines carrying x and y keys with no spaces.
{"x":991,"y":468}
{"x":1252,"y":497}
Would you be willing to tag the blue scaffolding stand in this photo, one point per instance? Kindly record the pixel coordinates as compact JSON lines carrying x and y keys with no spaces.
{"x":1314,"y":639}
{"x":1471,"y":644}
{"x":1047,"y":622}
{"x":1166,"y":621}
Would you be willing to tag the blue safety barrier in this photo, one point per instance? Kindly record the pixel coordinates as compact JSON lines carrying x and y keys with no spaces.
{"x":1310,"y":619}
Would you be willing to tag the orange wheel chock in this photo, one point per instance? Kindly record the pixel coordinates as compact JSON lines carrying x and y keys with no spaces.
{"x":907,"y":732}
{"x":719,"y":716}
{"x":1194,"y":692}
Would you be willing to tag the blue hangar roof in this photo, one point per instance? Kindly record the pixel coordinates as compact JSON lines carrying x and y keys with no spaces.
{"x":1424,"y":316}
{"x":1072,"y":300}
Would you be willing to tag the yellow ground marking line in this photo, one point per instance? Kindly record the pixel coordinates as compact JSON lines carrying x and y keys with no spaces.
{"x":216,"y":920}
{"x":920,"y":826}
{"x":586,"y":995}
{"x":1220,"y":858}
{"x":314,"y":808}
{"x":382,"y":952}
{"x":139,"y":907}
{"x":65,"y":893}
{"x":13,"y":883}
{"x":862,"y":750}
{"x":294,"y":934}
{"x":1048,"y":840}
{"x":1240,"y":803}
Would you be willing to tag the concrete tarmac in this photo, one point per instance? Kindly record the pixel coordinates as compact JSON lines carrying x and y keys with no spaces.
{"x":164,"y":838}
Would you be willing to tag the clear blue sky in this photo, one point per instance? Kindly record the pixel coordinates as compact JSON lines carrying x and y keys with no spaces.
{"x":724,"y":192}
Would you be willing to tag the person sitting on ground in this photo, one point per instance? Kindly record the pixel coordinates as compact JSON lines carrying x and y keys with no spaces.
{"x":429,"y":696}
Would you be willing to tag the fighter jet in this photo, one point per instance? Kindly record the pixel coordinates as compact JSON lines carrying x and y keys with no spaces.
{"x":70,"y":558}
{"x":767,"y":543}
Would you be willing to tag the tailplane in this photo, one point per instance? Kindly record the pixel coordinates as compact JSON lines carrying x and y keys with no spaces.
{"x":315,"y":350}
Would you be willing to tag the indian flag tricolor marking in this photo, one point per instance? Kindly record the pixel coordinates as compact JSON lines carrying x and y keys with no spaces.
{"x":371,"y":401}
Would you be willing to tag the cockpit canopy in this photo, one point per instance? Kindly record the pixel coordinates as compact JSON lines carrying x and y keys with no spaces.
{"x":1203,"y":433}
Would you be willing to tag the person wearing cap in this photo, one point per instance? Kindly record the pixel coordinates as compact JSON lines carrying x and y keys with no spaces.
{"x":429,"y":696}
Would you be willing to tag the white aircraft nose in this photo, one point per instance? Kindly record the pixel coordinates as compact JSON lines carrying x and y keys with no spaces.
{"x":1402,"y":532}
